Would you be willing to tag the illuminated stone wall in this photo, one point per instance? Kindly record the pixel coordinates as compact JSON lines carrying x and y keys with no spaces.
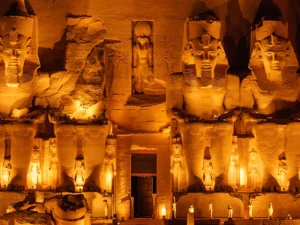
{"x":86,"y":84}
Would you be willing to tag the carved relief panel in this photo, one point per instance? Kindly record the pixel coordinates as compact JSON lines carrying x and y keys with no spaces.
{"x":144,"y":79}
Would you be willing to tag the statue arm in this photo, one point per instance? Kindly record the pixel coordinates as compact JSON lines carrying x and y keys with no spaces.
{"x":135,"y":56}
{"x":150,"y":56}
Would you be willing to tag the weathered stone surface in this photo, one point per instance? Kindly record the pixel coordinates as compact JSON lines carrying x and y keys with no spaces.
{"x":84,"y":29}
{"x":203,"y":104}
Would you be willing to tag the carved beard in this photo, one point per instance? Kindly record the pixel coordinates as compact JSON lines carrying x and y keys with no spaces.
{"x":12,"y":72}
{"x":206,"y":77}
{"x":275,"y":75}
{"x":206,"y":73}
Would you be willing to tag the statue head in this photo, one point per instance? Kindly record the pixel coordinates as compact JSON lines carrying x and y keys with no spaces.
{"x":272,"y":48}
{"x":203,"y":48}
{"x":7,"y":164}
{"x":15,"y":48}
{"x":142,"y":31}
{"x":53,"y":146}
{"x":78,"y":163}
{"x":35,"y":153}
{"x":253,"y":156}
{"x":110,"y":148}
{"x":18,"y":48}
{"x":176,"y":145}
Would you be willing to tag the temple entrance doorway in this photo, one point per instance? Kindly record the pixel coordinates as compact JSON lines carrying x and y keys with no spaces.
{"x":143,"y":184}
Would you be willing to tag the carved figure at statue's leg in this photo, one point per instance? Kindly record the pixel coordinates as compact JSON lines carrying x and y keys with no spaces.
{"x":176,"y":162}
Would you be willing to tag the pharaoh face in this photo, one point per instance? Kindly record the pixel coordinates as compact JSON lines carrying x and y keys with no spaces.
{"x":205,"y":52}
{"x":14,"y":48}
{"x":273,"y":54}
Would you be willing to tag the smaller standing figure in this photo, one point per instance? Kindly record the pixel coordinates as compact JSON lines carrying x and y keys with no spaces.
{"x":35,"y":167}
{"x":79,"y":172}
{"x":208,"y":174}
{"x":6,"y":173}
{"x":253,"y":170}
{"x":250,"y":209}
{"x":270,"y":211}
{"x":191,"y":209}
{"x":190,"y":216}
{"x":54,"y":167}
{"x":230,"y":212}
{"x":282,"y":171}
{"x":110,"y":164}
{"x":105,"y":209}
{"x":210,"y":208}
{"x":176,"y":162}
{"x":174,"y":208}
{"x":234,"y":163}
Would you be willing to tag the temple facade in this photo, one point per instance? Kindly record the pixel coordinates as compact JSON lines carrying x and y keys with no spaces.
{"x":151,"y":109}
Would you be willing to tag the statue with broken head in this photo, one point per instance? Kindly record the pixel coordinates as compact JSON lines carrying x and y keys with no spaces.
{"x":201,"y":89}
{"x":273,"y":87}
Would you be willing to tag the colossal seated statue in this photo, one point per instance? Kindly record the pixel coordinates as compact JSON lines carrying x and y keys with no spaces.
{"x":201,"y":90}
{"x":18,"y":58}
{"x":273,"y":86}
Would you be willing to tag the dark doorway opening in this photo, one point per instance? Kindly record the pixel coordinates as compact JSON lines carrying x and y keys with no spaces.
{"x":143,"y":184}
{"x":142,"y":189}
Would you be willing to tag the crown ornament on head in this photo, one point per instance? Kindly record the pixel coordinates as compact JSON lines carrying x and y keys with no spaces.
{"x":270,"y":27}
{"x":18,"y":8}
{"x":14,"y":37}
{"x":198,"y":28}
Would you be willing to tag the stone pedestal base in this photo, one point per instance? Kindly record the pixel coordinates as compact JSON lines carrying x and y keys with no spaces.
{"x":261,"y":222}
